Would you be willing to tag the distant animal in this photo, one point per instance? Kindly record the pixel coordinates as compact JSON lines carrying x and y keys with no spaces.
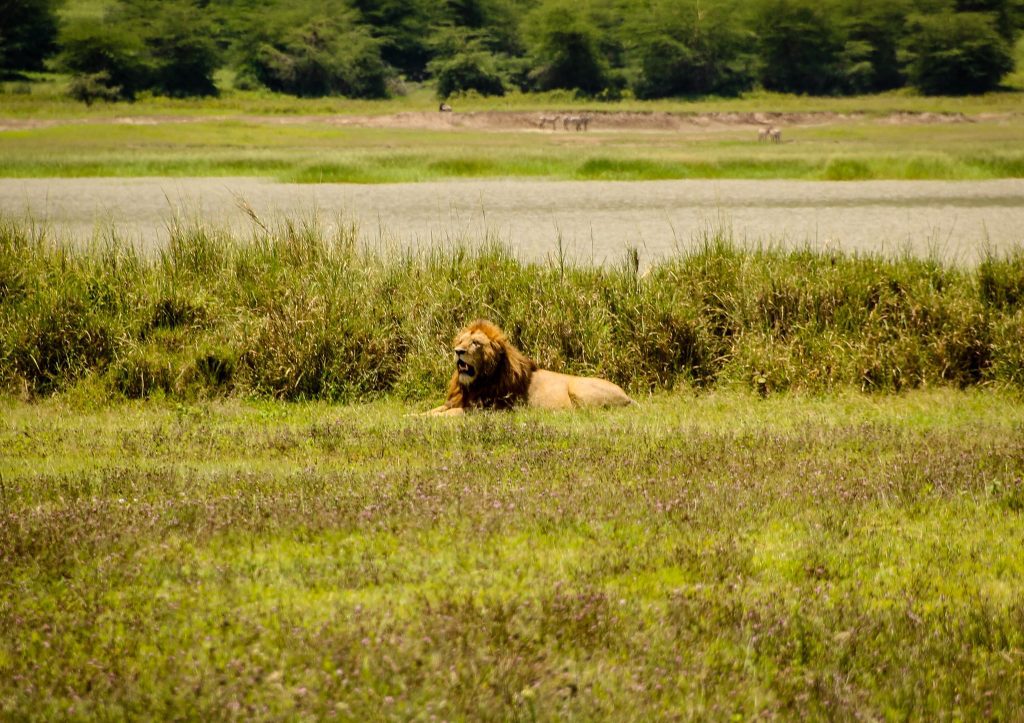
{"x":764,"y":135}
{"x":776,"y":135}
{"x":579,"y":122}
{"x":490,"y":373}
{"x":445,"y":108}
{"x":549,"y":119}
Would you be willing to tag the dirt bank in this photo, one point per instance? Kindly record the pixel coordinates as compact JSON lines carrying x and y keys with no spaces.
{"x":518,"y":120}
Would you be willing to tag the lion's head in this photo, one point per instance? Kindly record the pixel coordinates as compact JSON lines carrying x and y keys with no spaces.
{"x":489,"y":370}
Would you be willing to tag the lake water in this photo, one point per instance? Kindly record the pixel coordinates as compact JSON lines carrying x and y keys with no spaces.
{"x":595,"y":221}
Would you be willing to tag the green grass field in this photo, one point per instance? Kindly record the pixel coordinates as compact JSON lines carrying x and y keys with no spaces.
{"x":259,"y":135}
{"x":759,"y":537}
{"x":717,"y":555}
{"x":317,"y":152}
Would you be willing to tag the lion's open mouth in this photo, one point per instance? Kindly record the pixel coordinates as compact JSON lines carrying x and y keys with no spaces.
{"x":465,"y":368}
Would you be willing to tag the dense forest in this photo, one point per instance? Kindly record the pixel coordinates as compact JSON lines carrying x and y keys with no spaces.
{"x":599,"y":48}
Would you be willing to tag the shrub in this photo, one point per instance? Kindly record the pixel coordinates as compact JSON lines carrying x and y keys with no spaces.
{"x":60,"y":339}
{"x":692,"y":50}
{"x":800,"y":47}
{"x":957,"y":53}
{"x":468,"y":71}
{"x":184,"y":56}
{"x":316,"y":60}
{"x":566,"y":50}
{"x":109,"y":59}
{"x":91,"y":87}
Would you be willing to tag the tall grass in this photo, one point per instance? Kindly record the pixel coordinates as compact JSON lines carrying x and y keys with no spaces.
{"x":295,"y":312}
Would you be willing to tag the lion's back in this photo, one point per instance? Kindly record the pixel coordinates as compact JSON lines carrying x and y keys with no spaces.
{"x":551,"y":390}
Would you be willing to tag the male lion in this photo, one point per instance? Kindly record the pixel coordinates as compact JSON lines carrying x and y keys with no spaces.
{"x":490,"y":373}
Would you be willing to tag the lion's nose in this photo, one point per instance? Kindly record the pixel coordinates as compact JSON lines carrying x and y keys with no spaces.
{"x":459,"y":351}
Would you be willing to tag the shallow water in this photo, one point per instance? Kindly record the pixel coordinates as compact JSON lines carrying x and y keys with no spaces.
{"x":595,"y":220}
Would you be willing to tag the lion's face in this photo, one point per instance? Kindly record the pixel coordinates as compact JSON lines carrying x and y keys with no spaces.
{"x":476,"y":355}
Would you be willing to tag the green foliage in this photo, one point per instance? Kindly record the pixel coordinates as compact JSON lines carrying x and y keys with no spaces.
{"x":1001,"y":280}
{"x":957,"y":53}
{"x":565,"y":45}
{"x":169,"y":51}
{"x":659,"y":48}
{"x":320,"y":57}
{"x":91,"y":87}
{"x":467,"y":67}
{"x":800,"y":47}
{"x":184,"y":56}
{"x":690,"y":49}
{"x":401,"y":26}
{"x":111,"y":58}
{"x":297,"y":315}
{"x":28,"y":34}
{"x":874,"y":30}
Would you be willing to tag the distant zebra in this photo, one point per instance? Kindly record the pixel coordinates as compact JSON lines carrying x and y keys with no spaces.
{"x":578,"y":122}
{"x":444,"y":108}
{"x":551,"y":120}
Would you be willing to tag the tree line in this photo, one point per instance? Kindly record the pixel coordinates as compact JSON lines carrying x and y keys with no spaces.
{"x":599,"y":48}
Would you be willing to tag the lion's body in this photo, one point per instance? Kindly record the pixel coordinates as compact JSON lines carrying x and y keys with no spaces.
{"x":551,"y":390}
{"x":492,"y":374}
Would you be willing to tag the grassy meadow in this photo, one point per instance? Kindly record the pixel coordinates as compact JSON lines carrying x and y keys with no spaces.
{"x":813,"y":511}
{"x":312,"y":152}
{"x":295,"y":140}
{"x":718,"y":555}
{"x":214,"y":502}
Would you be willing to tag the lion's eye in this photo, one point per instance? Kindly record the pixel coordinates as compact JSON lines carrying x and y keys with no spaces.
{"x":474,"y":343}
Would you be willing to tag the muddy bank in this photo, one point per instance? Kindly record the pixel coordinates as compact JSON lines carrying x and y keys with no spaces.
{"x":518,"y":120}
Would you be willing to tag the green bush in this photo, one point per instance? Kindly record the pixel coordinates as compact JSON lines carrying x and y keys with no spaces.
{"x":957,"y":53}
{"x":468,"y":71}
{"x":184,"y":55}
{"x":109,"y":60}
{"x":91,"y":87}
{"x":690,"y":49}
{"x":800,"y":47}
{"x":318,"y":59}
{"x":1001,"y":280}
{"x":566,"y":50}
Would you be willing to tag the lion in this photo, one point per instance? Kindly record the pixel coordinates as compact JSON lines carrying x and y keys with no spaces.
{"x":490,"y":373}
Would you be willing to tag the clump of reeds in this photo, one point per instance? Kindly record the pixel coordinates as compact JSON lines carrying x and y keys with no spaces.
{"x":296,"y":312}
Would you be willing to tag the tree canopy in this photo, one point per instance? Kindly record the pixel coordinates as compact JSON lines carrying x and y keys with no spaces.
{"x":602,"y":48}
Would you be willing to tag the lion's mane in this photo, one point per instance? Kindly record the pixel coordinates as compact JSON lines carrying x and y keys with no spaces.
{"x":504,"y":378}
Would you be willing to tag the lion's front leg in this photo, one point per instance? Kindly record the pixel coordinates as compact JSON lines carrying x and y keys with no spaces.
{"x":444,"y":410}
